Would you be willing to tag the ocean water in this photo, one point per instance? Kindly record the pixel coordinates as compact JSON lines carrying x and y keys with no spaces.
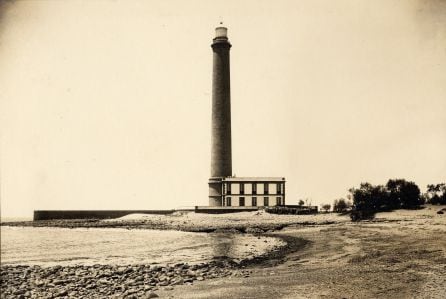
{"x":87,"y":246}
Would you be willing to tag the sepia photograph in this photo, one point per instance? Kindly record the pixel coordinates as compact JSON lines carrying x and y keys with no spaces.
{"x":194,"y":149}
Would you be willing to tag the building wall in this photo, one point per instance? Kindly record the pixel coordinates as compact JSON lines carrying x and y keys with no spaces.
{"x":235,"y":200}
{"x":244,"y":188}
{"x":248,"y":188}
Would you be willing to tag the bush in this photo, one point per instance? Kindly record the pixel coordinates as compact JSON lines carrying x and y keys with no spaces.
{"x":326,"y":207}
{"x":396,"y":194}
{"x":403,"y":194}
{"x":356,"y":215}
{"x":341,"y":205}
{"x":436,"y":194}
{"x":368,"y":197}
{"x":367,"y":200}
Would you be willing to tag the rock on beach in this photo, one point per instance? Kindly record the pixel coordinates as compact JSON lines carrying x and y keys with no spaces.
{"x":131,"y":281}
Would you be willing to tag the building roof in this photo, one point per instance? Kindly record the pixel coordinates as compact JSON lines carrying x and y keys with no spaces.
{"x":254,"y":179}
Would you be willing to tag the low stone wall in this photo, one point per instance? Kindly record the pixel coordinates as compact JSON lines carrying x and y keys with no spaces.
{"x":292,"y":210}
{"x":92,"y":214}
{"x":223,"y":210}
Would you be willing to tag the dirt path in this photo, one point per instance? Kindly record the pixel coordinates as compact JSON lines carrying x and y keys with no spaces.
{"x":401,"y":259}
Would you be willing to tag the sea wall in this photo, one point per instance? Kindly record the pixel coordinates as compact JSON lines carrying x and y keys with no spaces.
{"x":92,"y":214}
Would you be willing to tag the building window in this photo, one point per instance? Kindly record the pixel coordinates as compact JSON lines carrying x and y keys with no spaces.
{"x":242,"y":202}
{"x":242,"y":188}
{"x":266,"y":188}
{"x":254,"y":188}
{"x":266,"y":201}
{"x":228,"y":201}
{"x":228,"y":186}
{"x":278,"y":201}
{"x":279,"y":188}
{"x":254,"y":201}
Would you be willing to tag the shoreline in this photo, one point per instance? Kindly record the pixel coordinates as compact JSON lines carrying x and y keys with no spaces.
{"x":242,"y":222}
{"x":130,"y":281}
{"x":400,"y":254}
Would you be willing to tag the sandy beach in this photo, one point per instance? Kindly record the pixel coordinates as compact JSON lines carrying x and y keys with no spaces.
{"x":400,"y":254}
{"x":244,"y":222}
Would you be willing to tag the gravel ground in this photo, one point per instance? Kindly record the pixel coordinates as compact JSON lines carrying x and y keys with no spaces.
{"x":137,"y":281}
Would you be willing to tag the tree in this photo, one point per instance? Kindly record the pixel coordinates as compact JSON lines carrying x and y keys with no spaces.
{"x":367,"y":200}
{"x":396,"y":194}
{"x":402,"y":194}
{"x":436,"y":194}
{"x":326,"y":207}
{"x":340,"y":205}
{"x":301,"y":203}
{"x":368,"y":197}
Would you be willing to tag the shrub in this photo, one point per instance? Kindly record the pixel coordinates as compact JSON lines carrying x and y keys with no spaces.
{"x":402,"y":194}
{"x":436,"y":194}
{"x":341,"y":205}
{"x":326,"y":207}
{"x":368,"y":197}
{"x":358,"y":215}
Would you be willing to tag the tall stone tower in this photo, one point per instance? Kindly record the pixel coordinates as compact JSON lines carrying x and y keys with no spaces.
{"x":221,"y":153}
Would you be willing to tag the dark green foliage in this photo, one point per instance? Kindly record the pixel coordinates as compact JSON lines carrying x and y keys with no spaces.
{"x":436,"y":194}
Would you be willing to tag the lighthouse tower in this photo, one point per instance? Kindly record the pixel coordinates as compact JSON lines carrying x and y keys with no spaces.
{"x":221,"y":153}
{"x":227,"y":192}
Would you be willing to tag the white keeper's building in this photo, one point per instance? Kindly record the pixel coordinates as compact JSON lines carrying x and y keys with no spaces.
{"x":252,"y":192}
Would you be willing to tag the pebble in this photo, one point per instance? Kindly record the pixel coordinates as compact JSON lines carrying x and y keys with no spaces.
{"x":62,"y":293}
{"x":135,"y":281}
{"x":151,"y":295}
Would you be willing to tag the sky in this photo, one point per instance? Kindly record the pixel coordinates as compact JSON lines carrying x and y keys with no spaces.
{"x":107,"y":104}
